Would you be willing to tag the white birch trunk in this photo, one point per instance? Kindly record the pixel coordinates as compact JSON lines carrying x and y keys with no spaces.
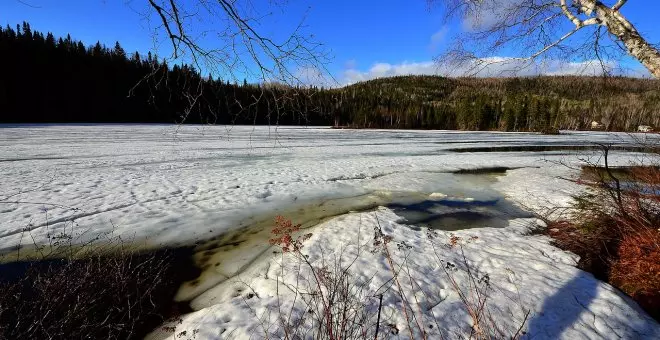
{"x":625,"y":32}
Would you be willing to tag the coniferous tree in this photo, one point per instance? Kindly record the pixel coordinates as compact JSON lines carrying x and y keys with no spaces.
{"x":58,"y":79}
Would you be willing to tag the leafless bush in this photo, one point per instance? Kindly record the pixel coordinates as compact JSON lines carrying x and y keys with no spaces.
{"x":114,"y":295}
{"x":339,"y":305}
{"x":615,"y":227}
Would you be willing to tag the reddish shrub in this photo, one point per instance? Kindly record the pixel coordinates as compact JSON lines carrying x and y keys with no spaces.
{"x":283,"y":232}
{"x":637,"y":269}
{"x":595,"y":245}
{"x":615,"y":230}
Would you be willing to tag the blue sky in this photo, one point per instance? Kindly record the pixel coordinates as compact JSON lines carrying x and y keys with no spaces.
{"x":366,"y":38}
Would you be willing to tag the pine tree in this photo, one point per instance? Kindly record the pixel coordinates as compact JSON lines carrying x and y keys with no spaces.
{"x":118,"y":52}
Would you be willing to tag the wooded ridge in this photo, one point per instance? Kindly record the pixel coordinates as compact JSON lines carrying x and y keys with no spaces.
{"x":60,"y":80}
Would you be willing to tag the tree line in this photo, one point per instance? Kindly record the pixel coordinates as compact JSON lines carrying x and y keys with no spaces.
{"x":47,"y":80}
{"x":543,"y":104}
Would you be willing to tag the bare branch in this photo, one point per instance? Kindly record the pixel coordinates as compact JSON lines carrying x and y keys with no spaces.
{"x":555,"y":43}
{"x":568,"y":14}
{"x":619,"y":4}
{"x":223,"y":37}
{"x":23,"y":2}
{"x":166,"y":24}
{"x":547,"y":27}
{"x":226,"y":39}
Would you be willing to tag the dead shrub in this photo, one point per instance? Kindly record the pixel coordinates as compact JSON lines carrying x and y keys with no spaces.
{"x":340,"y":306}
{"x":615,"y":229}
{"x":112,"y":296}
{"x":636,"y":271}
{"x":337,"y":303}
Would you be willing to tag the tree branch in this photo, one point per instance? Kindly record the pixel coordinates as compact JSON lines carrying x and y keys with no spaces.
{"x":568,"y":13}
{"x":161,"y":12}
{"x":521,"y":27}
{"x":619,"y":4}
{"x":555,"y":43}
{"x":246,"y":50}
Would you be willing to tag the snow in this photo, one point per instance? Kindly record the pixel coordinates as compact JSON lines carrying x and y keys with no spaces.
{"x":525,"y":272}
{"x":166,"y":186}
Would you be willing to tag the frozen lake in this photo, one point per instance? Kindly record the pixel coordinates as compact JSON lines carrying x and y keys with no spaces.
{"x":221,"y":188}
{"x":177,"y":184}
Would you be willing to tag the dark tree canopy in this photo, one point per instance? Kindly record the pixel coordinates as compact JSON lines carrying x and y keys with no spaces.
{"x":45,"y":79}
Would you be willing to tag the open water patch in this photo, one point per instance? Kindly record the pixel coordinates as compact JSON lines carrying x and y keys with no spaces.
{"x":439,"y":200}
{"x":493,"y":170}
{"x":457,"y":214}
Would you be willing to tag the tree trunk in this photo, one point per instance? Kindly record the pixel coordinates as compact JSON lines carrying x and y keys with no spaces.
{"x":621,"y":28}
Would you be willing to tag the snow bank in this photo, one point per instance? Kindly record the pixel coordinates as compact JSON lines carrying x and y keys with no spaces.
{"x":525,"y":274}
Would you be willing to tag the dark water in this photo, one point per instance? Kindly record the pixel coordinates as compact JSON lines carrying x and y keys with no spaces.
{"x":451,"y":214}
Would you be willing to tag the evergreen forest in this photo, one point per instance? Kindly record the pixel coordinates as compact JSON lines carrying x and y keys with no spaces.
{"x":48,"y":79}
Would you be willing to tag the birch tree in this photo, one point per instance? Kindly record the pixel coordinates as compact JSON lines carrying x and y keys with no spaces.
{"x":548,"y":30}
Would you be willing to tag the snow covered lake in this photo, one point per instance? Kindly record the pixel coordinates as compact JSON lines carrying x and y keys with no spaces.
{"x":221,"y":188}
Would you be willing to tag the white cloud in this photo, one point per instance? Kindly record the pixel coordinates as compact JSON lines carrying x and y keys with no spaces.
{"x":438,"y":37}
{"x":379,"y":70}
{"x":313,"y":76}
{"x":486,"y":14}
{"x":486,"y":67}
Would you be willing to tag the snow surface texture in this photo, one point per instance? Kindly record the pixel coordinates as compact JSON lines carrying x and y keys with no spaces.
{"x":526,"y":274}
{"x":173,"y":185}
{"x":161,"y":185}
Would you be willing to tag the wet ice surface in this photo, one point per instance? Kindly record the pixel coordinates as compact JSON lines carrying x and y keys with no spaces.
{"x":221,"y":187}
{"x":467,"y":201}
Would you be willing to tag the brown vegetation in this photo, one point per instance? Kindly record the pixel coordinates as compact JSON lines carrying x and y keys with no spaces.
{"x":120,"y":296}
{"x":637,"y":269}
{"x":615,"y":230}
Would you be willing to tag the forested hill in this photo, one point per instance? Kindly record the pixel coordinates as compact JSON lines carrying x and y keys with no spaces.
{"x":507,"y":104}
{"x":58,"y":79}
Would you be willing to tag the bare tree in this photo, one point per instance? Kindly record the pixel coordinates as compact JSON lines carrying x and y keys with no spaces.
{"x":228,"y":38}
{"x":546,"y":30}
{"x":235,"y":40}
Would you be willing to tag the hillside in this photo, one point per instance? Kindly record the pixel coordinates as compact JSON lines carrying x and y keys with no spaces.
{"x":507,"y":104}
{"x":59,"y":80}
